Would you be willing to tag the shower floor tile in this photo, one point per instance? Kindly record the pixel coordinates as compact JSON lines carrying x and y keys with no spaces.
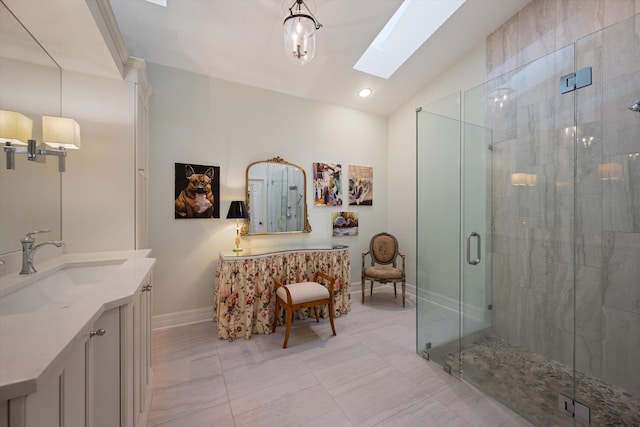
{"x":531,"y":383}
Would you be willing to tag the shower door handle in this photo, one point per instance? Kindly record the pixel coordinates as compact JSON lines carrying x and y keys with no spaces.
{"x":469,"y":260}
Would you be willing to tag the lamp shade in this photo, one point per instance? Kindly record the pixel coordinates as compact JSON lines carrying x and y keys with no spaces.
{"x":237,"y":209}
{"x":60,"y":132}
{"x":15,"y":128}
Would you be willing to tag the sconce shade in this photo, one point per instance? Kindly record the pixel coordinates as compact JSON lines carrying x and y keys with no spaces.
{"x":237,"y":210}
{"x":519,"y":179}
{"x":60,"y":132}
{"x":15,"y":127}
{"x":300,"y":33}
{"x":532,"y":179}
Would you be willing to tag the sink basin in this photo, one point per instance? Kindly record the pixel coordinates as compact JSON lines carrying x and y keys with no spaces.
{"x":57,"y":290}
{"x":88,"y":274}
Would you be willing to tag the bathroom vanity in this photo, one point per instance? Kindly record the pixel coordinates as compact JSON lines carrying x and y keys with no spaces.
{"x":76,"y":341}
{"x":244,"y":301}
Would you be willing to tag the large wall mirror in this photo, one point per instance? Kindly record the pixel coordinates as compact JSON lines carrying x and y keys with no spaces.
{"x":276,"y":198}
{"x":29,"y":84}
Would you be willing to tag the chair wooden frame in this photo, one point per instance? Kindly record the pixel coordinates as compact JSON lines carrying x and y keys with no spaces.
{"x":392,"y":262}
{"x":290,"y":305}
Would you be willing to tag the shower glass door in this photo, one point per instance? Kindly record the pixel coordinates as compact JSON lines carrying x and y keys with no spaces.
{"x":607,"y":294}
{"x":529,"y":235}
{"x":523,"y":355}
{"x":438,"y":228}
{"x":496,"y":232}
{"x":476,"y":215}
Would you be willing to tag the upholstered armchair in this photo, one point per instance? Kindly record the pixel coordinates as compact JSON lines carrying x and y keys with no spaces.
{"x":383,"y":252}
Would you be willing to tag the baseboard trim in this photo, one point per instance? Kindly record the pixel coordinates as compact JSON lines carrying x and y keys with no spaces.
{"x":356,"y":288}
{"x":452,"y":304}
{"x":204,"y":314}
{"x":449,"y":303}
{"x":180,"y":318}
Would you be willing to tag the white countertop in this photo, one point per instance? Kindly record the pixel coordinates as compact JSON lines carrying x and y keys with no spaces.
{"x":32,"y":343}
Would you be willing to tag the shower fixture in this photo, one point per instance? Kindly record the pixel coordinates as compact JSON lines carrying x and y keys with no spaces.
{"x":635,"y":107}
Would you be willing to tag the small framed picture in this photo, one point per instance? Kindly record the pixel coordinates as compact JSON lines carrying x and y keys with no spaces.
{"x":360,"y":185}
{"x":344,"y":223}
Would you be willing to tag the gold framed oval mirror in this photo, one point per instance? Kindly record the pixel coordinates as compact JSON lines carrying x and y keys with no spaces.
{"x":276,"y":198}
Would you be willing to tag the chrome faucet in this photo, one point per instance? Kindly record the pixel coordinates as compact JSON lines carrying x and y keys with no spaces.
{"x":29,"y":250}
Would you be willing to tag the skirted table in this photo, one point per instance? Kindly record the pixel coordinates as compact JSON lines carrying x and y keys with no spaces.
{"x":243,"y":298}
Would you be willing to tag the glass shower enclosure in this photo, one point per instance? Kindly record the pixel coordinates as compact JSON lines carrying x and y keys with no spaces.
{"x":528,"y":228}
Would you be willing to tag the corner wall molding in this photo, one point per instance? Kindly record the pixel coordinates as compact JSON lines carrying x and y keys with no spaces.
{"x":140,"y":67}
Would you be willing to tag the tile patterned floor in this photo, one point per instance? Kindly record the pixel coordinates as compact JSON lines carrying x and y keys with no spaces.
{"x":367,"y":375}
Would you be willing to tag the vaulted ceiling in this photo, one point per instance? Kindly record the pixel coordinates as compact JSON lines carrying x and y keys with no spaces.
{"x":242,"y":41}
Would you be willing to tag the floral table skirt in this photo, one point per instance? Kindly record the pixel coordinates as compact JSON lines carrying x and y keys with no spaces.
{"x":243,"y":298}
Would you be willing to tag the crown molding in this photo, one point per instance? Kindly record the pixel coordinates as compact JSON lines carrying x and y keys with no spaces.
{"x":106,"y":22}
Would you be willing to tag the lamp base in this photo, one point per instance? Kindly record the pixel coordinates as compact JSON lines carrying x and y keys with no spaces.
{"x":237,"y":249}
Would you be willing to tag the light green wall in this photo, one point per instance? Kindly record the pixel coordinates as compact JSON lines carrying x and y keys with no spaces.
{"x":202,"y":120}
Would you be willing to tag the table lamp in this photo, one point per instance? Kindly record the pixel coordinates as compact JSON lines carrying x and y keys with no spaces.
{"x":237,"y":210}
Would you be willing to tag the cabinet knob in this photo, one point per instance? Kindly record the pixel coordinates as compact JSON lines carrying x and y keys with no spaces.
{"x":147,"y":288}
{"x":100,"y":332}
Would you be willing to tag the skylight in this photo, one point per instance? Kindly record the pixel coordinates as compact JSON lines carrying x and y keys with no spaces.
{"x":162,"y":3}
{"x":412,"y":24}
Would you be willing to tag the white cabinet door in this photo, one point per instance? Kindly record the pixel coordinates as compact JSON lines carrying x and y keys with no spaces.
{"x":136,"y":318}
{"x":60,"y":400}
{"x":142,"y":173}
{"x":103,"y":374}
{"x":74,"y":377}
{"x":145,"y":347}
{"x":44,"y":406}
{"x":142,"y":353}
{"x":137,"y":357}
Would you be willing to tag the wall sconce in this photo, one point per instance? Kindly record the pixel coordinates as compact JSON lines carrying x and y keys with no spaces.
{"x":237,"y":210}
{"x":58,"y":132}
{"x":610,"y":171}
{"x":522,"y":179}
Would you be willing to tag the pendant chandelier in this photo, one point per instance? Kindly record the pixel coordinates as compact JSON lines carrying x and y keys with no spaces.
{"x":299,"y":33}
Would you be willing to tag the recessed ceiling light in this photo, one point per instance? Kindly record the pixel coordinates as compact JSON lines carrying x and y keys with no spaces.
{"x":412,"y":24}
{"x":364,"y":92}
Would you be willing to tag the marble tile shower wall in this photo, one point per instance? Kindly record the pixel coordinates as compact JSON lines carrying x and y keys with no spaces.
{"x":533,"y":225}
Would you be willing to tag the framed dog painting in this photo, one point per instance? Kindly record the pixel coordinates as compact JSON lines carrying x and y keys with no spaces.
{"x":197,"y":191}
